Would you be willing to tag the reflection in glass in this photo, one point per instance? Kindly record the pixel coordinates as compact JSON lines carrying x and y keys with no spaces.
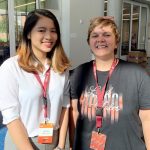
{"x":142,"y":37}
{"x":126,"y":29}
{"x":49,"y":4}
{"x":4,"y":40}
{"x":135,"y":27}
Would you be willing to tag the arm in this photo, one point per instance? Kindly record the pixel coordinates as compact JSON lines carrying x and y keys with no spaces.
{"x":19,"y":135}
{"x":145,"y":118}
{"x":73,"y":115}
{"x":63,"y":127}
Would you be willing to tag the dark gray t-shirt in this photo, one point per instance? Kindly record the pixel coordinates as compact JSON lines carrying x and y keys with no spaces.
{"x":128,"y":91}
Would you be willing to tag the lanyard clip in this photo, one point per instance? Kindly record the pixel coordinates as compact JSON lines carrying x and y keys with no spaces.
{"x":44,"y":101}
{"x":46,"y":120}
{"x":99,"y":111}
{"x":98,"y":130}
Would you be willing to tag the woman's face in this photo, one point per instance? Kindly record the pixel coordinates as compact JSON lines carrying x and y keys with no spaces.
{"x":43,"y":36}
{"x":102,"y":42}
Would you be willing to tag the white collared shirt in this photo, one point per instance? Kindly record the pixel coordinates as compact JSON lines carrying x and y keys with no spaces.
{"x":21,"y":96}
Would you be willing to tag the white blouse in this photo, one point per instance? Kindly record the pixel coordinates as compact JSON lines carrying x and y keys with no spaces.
{"x":21,"y":96}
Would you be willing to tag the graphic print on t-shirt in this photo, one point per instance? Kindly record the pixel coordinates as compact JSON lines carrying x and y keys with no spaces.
{"x":112,"y":104}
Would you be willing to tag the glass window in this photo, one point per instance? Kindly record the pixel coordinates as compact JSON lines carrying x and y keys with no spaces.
{"x":49,"y":4}
{"x":22,"y":7}
{"x":126,"y":28}
{"x":4,"y":41}
{"x":135,"y":27}
{"x":142,"y":38}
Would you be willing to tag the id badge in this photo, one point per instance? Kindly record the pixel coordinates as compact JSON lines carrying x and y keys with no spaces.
{"x":45,"y":133}
{"x":98,"y":141}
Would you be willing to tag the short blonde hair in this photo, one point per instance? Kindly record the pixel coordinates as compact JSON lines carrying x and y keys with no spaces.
{"x":104,"y":21}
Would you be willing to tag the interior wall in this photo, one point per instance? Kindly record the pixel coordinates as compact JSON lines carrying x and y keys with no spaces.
{"x":74,"y":21}
{"x":79,"y":51}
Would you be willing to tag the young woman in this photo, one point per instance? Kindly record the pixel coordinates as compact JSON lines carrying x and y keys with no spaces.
{"x":34,"y":89}
{"x":110,"y":103}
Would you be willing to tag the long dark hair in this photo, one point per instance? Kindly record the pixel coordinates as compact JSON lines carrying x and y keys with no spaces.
{"x":26,"y":55}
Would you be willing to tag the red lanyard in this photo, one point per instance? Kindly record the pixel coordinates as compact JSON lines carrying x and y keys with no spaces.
{"x":100,"y":94}
{"x":44,"y":88}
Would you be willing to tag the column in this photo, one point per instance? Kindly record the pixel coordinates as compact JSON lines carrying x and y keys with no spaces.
{"x":101,"y":8}
{"x":114,"y":8}
{"x":11,"y":27}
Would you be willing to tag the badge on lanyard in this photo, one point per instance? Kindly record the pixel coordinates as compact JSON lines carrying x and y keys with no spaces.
{"x":46,"y":129}
{"x":45,"y":133}
{"x":98,"y":141}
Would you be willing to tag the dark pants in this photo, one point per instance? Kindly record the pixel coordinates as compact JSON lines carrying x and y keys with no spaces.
{"x":1,"y":120}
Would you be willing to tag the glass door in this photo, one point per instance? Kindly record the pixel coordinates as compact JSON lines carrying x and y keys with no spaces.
{"x":21,"y":9}
{"x":4,"y":39}
{"x":12,"y":17}
{"x":143,"y":26}
{"x":126,"y":17}
{"x":134,"y":27}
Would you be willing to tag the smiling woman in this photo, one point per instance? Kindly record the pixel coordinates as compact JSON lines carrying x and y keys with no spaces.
{"x":35,"y":98}
{"x":43,"y":38}
{"x":103,"y":106}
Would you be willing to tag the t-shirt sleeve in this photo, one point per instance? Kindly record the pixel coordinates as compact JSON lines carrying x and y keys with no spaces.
{"x":73,"y":84}
{"x":144,"y":90}
{"x":9,"y":104}
{"x":66,"y":97}
{"x":79,"y":77}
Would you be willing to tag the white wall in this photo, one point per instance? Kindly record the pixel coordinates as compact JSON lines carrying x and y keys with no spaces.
{"x":74,"y":17}
{"x":75,"y":27}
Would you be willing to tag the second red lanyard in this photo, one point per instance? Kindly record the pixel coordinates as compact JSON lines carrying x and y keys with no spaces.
{"x":101,"y":93}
